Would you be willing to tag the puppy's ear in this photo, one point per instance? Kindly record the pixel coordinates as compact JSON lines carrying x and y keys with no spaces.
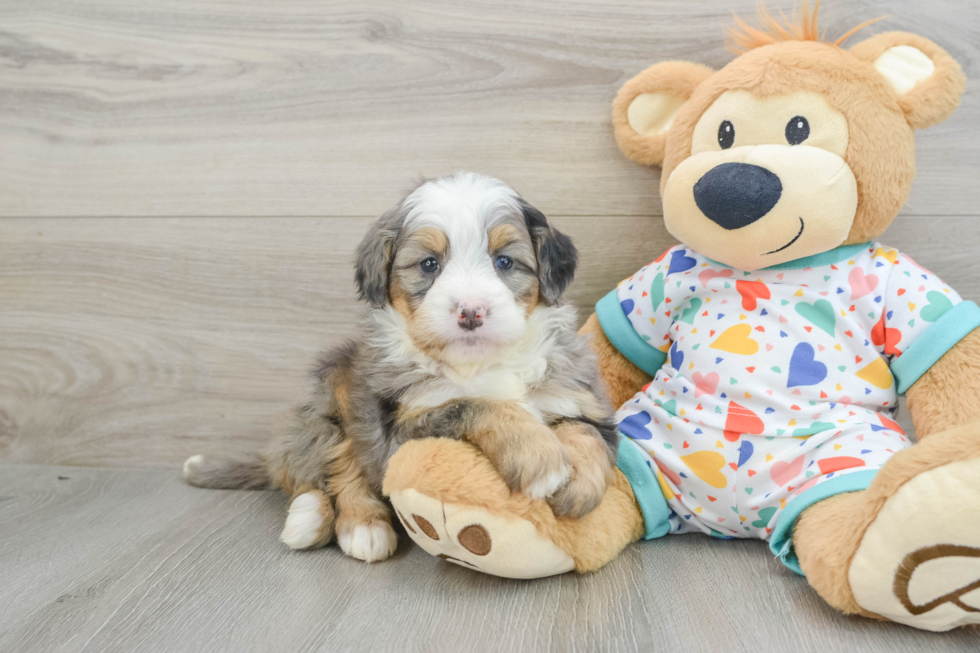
{"x":926,"y":79}
{"x":372,"y":270}
{"x":646,"y":106}
{"x":557,"y":256}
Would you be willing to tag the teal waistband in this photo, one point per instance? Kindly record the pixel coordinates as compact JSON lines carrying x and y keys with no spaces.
{"x":646,"y":488}
{"x":624,"y":338}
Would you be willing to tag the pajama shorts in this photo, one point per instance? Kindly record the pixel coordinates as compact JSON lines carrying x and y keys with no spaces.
{"x":730,"y":485}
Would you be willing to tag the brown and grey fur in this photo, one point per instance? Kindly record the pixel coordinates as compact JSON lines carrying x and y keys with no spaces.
{"x":369,"y":396}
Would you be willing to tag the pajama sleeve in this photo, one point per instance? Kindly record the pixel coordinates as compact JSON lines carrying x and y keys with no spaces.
{"x":633,"y":318}
{"x":923,"y":318}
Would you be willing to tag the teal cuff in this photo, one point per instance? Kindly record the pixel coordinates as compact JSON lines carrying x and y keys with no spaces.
{"x":938,"y":339}
{"x":624,"y":338}
{"x":781,"y":542}
{"x":646,"y":488}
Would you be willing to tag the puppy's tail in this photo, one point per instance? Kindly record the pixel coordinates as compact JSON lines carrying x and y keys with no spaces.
{"x":243,"y":472}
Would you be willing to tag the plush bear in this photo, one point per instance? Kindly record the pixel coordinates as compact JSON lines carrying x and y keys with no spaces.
{"x":758,"y":365}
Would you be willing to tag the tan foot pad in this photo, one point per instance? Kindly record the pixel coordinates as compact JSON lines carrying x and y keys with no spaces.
{"x":919,"y":561}
{"x":474,"y":538}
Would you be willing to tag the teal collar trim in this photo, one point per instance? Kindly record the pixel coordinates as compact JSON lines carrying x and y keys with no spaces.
{"x":829,"y":257}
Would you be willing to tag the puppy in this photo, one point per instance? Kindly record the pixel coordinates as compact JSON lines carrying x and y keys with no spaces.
{"x":465,"y":338}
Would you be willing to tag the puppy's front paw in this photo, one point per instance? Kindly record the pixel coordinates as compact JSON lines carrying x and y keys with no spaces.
{"x":592,"y":470}
{"x":583,"y":493}
{"x":536,"y":466}
{"x":547,"y":482}
{"x":370,"y":542}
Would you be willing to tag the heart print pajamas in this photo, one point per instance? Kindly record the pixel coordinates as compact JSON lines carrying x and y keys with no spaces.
{"x":772,"y":389}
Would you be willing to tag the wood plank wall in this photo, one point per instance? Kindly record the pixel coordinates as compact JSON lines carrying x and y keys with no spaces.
{"x":182,"y":184}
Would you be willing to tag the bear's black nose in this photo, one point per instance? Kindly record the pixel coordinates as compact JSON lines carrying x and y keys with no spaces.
{"x":734,"y":195}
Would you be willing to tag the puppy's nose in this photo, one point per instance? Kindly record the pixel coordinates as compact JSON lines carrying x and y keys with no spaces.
{"x":470,"y":316}
{"x":734,"y":195}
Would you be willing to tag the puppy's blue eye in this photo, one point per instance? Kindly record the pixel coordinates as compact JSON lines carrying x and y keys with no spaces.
{"x":429,"y":265}
{"x":504,"y":263}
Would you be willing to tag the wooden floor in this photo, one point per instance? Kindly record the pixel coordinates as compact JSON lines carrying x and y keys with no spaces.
{"x":182,"y":183}
{"x":108,"y":560}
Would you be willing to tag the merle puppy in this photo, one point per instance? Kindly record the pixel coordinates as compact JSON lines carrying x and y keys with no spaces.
{"x":467,"y":338}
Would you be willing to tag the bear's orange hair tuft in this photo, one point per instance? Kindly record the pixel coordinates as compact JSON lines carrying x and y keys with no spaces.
{"x":743,"y":37}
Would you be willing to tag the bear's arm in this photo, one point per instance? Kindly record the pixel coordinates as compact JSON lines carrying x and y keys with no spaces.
{"x":622,"y":378}
{"x":948,"y":394}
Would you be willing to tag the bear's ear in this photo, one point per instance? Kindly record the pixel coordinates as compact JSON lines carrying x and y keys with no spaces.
{"x":928,"y":81}
{"x":646,"y":105}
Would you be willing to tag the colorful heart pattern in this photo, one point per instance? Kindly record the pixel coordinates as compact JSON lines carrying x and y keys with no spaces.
{"x":877,"y":374}
{"x":689,"y":313}
{"x":741,"y":420}
{"x":886,"y":337}
{"x":782,"y":473}
{"x":705,"y":384}
{"x":736,"y":340}
{"x":939,"y":304}
{"x":774,"y":381}
{"x":752,"y":292}
{"x":861,"y":284}
{"x":707,"y":466}
{"x":820,"y":313}
{"x":804,"y":369}
{"x":656,"y":292}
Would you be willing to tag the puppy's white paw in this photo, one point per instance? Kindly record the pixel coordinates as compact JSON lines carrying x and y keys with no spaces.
{"x":304,"y":523}
{"x":547,"y":484}
{"x":369,"y":542}
{"x":191,"y":464}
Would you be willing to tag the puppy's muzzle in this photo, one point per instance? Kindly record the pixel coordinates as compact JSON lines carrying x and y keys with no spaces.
{"x":470,"y":317}
{"x":734,"y":195}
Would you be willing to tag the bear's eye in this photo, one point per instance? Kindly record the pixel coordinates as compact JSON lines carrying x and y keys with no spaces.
{"x":726,"y":134}
{"x":797,"y":130}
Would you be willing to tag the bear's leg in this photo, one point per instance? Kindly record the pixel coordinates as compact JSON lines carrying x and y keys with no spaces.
{"x":456,"y":506}
{"x":907,"y":548}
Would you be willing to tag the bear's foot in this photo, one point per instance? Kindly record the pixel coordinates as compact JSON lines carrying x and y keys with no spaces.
{"x":475,"y":538}
{"x":454,"y":504}
{"x":907,"y":549}
{"x":924,"y":546}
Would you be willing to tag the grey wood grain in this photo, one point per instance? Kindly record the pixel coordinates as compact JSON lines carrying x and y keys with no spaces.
{"x":140,"y":341}
{"x":169,"y":107}
{"x":145,"y":339}
{"x":134,"y":560}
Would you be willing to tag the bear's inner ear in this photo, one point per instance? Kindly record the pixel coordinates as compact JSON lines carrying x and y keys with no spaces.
{"x":646,"y":106}
{"x":652,"y":114}
{"x":904,"y":67}
{"x":927,"y":81}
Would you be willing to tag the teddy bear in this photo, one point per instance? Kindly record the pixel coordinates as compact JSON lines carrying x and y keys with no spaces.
{"x":758,"y":364}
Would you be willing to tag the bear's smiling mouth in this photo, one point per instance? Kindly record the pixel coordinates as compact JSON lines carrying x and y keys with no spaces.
{"x":795,"y":238}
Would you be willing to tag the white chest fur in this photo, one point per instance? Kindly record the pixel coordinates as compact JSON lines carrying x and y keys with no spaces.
{"x":516,"y":374}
